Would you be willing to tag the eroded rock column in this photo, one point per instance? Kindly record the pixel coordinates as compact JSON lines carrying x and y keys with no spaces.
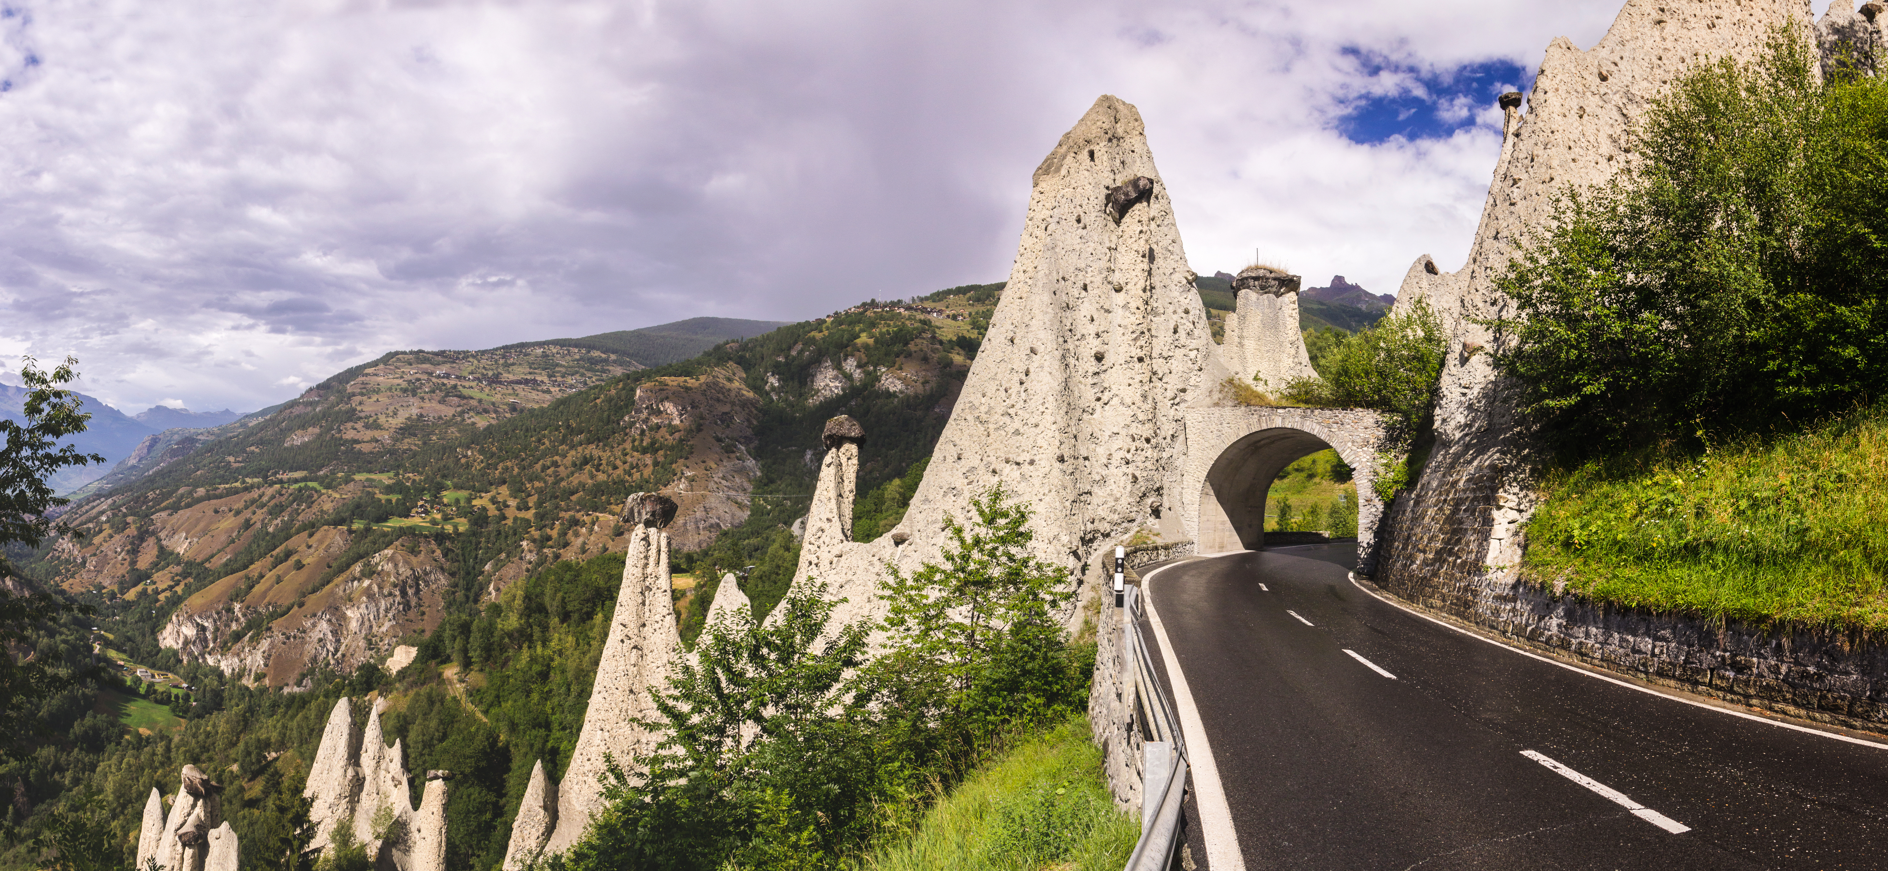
{"x":643,"y":644}
{"x":1263,"y":338}
{"x":829,"y":521}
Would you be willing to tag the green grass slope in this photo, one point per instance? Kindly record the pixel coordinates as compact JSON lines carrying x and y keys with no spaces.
{"x":1044,"y":804}
{"x":1785,"y":531}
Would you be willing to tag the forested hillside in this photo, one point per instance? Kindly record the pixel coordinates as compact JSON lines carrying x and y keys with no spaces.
{"x":414,"y":491}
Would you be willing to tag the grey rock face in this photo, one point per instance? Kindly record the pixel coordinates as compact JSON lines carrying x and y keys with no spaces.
{"x":1263,"y":338}
{"x":225,"y":853}
{"x":1851,"y":39}
{"x":151,"y":831}
{"x":729,"y":601}
{"x":537,"y":816}
{"x":638,"y":654}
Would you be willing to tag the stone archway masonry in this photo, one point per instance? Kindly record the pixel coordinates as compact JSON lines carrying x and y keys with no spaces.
{"x":1229,"y":457}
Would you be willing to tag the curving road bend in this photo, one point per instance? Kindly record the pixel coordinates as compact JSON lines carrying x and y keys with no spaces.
{"x":1350,"y":734}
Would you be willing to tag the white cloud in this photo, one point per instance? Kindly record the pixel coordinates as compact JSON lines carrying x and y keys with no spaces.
{"x":229,"y":200}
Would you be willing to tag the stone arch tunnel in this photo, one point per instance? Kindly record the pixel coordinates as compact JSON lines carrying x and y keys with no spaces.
{"x":1232,"y":455}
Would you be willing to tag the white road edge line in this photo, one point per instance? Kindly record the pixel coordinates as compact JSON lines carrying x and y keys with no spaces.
{"x":1300,"y":619}
{"x":1611,"y":794}
{"x":1368,"y":664}
{"x":1222,"y":844}
{"x":1834,"y":736}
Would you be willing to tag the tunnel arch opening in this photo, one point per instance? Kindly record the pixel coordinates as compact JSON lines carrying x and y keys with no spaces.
{"x":1232,"y":456}
{"x":1234,"y":496}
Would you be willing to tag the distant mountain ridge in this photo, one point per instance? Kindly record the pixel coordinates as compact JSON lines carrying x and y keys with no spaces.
{"x":163,"y":417}
{"x":664,"y":343}
{"x":1341,"y":292}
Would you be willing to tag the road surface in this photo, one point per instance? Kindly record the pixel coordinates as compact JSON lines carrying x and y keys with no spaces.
{"x":1350,"y":734}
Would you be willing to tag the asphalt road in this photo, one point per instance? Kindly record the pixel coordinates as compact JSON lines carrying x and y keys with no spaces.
{"x":1327,"y":763}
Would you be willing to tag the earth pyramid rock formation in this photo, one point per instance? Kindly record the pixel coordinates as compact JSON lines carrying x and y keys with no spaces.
{"x":729,"y":601}
{"x":639,"y":653}
{"x":194,"y":836}
{"x":151,"y":831}
{"x":1465,"y":512}
{"x":536,"y":817}
{"x":358,"y":781}
{"x":333,"y":780}
{"x":1263,"y":341}
{"x":1074,"y":403}
{"x":829,"y":519}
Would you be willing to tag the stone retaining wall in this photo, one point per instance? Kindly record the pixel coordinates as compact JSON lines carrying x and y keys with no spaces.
{"x":1833,"y":678}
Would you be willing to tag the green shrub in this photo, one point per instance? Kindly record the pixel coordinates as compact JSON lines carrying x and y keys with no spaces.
{"x":1391,"y":366}
{"x":1731,"y":280}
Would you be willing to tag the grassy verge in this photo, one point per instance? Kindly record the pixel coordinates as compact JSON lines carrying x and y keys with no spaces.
{"x":1043,"y":804}
{"x":1787,"y":531}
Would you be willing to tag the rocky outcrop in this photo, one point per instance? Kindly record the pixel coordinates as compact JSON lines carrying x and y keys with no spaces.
{"x":729,"y":602}
{"x":151,"y":830}
{"x":334,"y":779}
{"x":537,"y":816}
{"x":1263,"y":342}
{"x":194,"y":836}
{"x":429,"y":837}
{"x":353,"y":620}
{"x":225,"y":853}
{"x":641,"y":648}
{"x":1851,"y":39}
{"x":359,"y":782}
{"x":1455,"y":538}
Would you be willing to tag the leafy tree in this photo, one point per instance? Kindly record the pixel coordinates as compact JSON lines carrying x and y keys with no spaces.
{"x":1733,"y":279}
{"x":31,"y":455}
{"x":1391,"y":366}
{"x":766,"y":758}
{"x":976,"y":650}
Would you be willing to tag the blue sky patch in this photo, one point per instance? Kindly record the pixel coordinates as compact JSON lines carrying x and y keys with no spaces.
{"x":1422,"y":103}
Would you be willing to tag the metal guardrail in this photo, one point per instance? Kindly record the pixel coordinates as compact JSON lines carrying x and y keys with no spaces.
{"x":1164,"y":757}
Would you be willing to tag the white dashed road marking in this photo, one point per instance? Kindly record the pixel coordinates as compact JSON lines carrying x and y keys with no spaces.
{"x":1370,"y":665}
{"x":1264,"y":589}
{"x":1300,"y":619}
{"x":1611,"y":794}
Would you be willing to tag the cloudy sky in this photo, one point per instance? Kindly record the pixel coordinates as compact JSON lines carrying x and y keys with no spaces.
{"x":218,"y":203}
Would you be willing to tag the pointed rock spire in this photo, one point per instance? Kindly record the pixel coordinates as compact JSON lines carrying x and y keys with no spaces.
{"x":829,"y":520}
{"x":638,"y":654}
{"x":729,"y":601}
{"x":537,"y":816}
{"x":335,"y":779}
{"x":224,"y":852}
{"x":151,"y":832}
{"x":429,"y":827}
{"x":1076,"y":401}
